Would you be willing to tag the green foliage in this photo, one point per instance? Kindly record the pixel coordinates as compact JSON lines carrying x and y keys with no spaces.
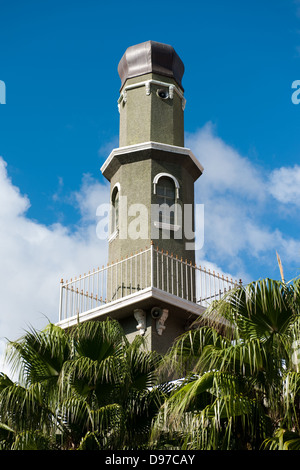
{"x":241,"y":383}
{"x":83,"y":388}
{"x":88,"y":388}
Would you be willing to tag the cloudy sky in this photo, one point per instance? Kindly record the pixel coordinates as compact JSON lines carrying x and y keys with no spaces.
{"x":59,"y":62}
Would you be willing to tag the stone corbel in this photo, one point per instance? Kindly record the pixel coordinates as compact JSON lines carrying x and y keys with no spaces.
{"x":160,"y":322}
{"x":171,"y":91}
{"x":140,"y":316}
{"x":148,"y":88}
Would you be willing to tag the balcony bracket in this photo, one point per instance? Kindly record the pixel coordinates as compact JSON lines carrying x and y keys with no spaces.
{"x":140,"y":316}
{"x":160,"y":322}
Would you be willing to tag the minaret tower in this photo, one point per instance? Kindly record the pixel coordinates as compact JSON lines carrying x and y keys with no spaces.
{"x":152,"y":176}
{"x":151,"y":167}
{"x":151,"y":283}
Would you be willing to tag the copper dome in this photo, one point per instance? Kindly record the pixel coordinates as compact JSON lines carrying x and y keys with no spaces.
{"x":151,"y":57}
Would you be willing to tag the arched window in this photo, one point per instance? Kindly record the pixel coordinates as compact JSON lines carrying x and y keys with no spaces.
{"x":165,"y":191}
{"x":115,"y":198}
{"x":166,"y":188}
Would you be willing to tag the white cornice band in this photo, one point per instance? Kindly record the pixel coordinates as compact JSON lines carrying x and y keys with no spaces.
{"x":147,"y":84}
{"x":151,"y":146}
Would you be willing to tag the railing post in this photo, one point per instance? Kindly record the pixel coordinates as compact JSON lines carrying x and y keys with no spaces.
{"x":60,"y":299}
{"x":151,"y":265}
{"x":176,"y":276}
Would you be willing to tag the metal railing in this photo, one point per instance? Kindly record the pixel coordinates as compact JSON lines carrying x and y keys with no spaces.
{"x":145,"y":269}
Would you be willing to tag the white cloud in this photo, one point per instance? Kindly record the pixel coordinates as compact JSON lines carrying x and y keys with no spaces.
{"x":224,"y":168}
{"x":238,"y":198}
{"x":89,"y":197}
{"x":34,"y":257}
{"x":284,"y":185}
{"x":12,"y":204}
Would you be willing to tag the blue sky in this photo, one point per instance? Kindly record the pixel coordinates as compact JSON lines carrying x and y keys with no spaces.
{"x":60,"y":121}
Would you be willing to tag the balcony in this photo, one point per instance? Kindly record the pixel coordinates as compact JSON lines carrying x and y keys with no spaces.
{"x":148,"y":274}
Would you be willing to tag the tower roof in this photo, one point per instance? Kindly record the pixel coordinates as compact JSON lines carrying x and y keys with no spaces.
{"x":151,"y":56}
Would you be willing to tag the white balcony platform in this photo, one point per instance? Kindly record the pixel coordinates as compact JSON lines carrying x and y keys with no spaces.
{"x":143,"y":280}
{"x":143,"y":299}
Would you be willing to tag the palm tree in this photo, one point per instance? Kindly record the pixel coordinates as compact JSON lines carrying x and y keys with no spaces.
{"x":89,"y":388}
{"x":28,"y":407}
{"x":108,"y":396}
{"x":241,"y":386}
{"x":86,"y":388}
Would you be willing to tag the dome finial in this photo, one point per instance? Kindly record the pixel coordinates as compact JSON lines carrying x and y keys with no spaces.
{"x":151,"y":57}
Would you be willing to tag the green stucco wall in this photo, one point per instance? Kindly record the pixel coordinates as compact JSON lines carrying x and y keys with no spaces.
{"x":135,"y":178}
{"x":145,"y":118}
